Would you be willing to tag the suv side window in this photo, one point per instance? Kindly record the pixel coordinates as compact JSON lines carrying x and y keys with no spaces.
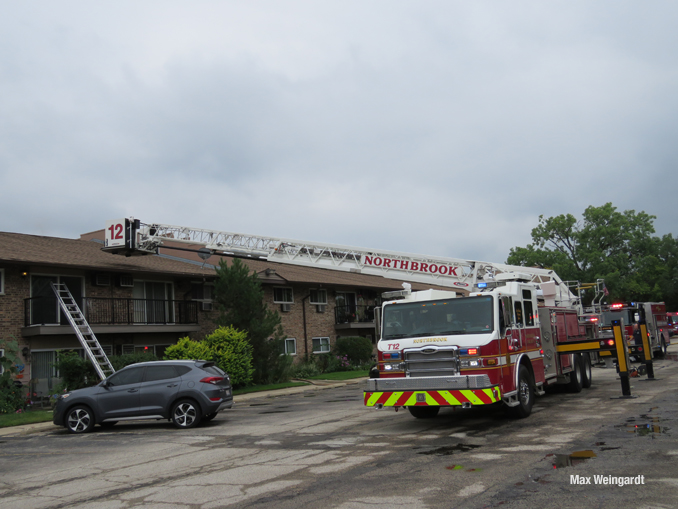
{"x":182,"y":370}
{"x":127,"y":376}
{"x":154,"y":373}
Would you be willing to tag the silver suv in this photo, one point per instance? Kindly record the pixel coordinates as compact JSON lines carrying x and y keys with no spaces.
{"x":185,"y":392}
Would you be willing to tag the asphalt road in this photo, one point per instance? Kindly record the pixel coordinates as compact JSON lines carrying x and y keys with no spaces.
{"x":322,"y":449}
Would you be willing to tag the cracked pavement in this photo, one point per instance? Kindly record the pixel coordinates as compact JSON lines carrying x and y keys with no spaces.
{"x":324,"y":449}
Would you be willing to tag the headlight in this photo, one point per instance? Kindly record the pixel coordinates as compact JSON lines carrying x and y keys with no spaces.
{"x":471,"y":363}
{"x":393,"y":366}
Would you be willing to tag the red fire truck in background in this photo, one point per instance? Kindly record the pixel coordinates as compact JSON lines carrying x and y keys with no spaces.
{"x":653,"y":314}
{"x":505,"y":342}
{"x":672,"y":320}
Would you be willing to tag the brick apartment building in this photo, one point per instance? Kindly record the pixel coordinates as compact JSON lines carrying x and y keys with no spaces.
{"x":146,"y":303}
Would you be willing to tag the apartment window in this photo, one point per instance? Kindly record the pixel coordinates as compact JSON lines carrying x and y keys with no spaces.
{"x":203,"y":292}
{"x":283,"y":296}
{"x":152,"y":301}
{"x":127,"y":349}
{"x":321,"y":345}
{"x":44,"y":306}
{"x":291,"y":346}
{"x":2,"y":281}
{"x":318,"y":297}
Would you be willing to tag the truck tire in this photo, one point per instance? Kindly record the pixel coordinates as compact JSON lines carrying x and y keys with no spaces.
{"x":576,"y":376}
{"x":586,"y":374}
{"x":525,"y":394}
{"x":424,"y":412}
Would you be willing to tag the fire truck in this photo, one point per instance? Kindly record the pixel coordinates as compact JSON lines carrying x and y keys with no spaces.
{"x":652,"y":314}
{"x":516,"y":332}
{"x":672,"y":319}
{"x":504,"y":343}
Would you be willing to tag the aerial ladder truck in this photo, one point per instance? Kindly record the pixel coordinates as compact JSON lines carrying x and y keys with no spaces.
{"x":516,"y":332}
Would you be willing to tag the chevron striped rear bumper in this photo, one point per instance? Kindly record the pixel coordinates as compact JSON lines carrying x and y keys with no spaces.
{"x":434,"y":398}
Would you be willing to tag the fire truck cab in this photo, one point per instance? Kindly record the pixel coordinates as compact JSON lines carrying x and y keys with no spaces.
{"x":504,"y":342}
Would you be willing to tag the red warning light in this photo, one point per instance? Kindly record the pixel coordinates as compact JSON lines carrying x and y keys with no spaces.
{"x":617,"y":306}
{"x":473,"y":351}
{"x":610,"y":342}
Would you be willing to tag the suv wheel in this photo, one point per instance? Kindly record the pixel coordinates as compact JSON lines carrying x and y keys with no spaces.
{"x":79,"y":419}
{"x":185,"y":414}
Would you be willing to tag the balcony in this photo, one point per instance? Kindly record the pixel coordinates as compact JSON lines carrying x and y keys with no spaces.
{"x":42,"y":315}
{"x":354,"y":317}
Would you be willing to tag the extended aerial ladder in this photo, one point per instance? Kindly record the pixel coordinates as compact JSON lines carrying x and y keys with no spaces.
{"x":131,"y":237}
{"x":83,"y":331}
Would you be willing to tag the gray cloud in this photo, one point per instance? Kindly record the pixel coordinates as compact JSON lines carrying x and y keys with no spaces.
{"x":443,"y":128}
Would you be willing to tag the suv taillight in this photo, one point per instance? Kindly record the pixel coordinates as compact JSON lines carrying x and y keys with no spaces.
{"x":212,"y":380}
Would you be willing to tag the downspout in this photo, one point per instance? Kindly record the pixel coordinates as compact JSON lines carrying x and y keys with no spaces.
{"x":303,"y":312}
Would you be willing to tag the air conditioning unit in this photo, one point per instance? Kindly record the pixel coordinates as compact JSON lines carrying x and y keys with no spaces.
{"x":126,"y":281}
{"x":285,"y":308}
{"x":102,"y":280}
{"x":207,"y":306}
{"x":320,"y":308}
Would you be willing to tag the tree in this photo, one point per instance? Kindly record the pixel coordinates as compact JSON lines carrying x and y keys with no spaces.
{"x":616,"y":246}
{"x":240,"y":301}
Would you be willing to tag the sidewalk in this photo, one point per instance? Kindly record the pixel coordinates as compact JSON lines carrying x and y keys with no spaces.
{"x":316,"y":385}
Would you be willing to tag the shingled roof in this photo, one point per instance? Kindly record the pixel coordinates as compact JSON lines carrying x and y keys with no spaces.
{"x":18,"y":248}
{"x":86,"y":253}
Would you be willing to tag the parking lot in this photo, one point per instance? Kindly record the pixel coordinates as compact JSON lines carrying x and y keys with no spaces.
{"x":323,"y":448}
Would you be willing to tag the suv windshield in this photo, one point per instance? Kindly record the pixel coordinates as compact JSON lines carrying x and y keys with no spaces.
{"x":465,"y":315}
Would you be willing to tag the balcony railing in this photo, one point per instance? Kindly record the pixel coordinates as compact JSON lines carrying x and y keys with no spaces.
{"x":353,"y":314}
{"x":113,"y":311}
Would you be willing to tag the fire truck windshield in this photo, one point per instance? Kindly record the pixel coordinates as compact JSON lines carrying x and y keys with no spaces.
{"x":622,"y":314}
{"x":468,"y":315}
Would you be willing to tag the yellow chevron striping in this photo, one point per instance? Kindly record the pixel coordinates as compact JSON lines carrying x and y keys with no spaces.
{"x":391,"y":401}
{"x":373,"y":399}
{"x":449,"y":397}
{"x":472,"y":397}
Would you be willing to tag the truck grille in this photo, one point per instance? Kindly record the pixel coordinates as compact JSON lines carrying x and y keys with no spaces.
{"x":430,"y":361}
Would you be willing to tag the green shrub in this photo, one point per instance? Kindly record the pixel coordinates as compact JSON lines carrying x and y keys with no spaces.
{"x":232,"y":352}
{"x":74,"y":371}
{"x":228,"y":347}
{"x":357,"y":349}
{"x":11,"y":396}
{"x":186,"y":348}
{"x":305,"y":370}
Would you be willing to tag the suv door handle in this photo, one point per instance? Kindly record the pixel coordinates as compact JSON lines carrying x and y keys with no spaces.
{"x":133,"y":390}
{"x":172,"y":385}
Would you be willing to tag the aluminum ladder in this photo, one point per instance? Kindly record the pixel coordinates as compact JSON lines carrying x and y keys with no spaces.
{"x":82,"y":329}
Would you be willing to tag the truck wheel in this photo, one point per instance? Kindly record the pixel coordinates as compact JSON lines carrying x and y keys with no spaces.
{"x":525,"y":394}
{"x":424,"y":412}
{"x":586,"y":374}
{"x":576,"y":376}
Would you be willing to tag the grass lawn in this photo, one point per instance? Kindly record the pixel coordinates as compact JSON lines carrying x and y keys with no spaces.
{"x":29,"y":417}
{"x":341,"y":375}
{"x":271,"y":387}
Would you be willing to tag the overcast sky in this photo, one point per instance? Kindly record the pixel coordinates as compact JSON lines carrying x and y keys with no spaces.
{"x":443,"y":128}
